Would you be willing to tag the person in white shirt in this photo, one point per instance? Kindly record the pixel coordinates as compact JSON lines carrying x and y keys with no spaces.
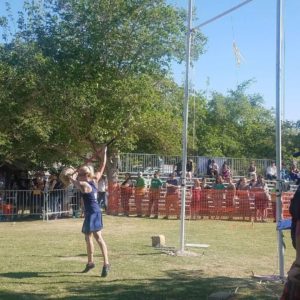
{"x":102,"y":189}
{"x":271,"y":172}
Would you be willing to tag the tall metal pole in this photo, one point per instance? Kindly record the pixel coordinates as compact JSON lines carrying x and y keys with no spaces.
{"x":185,"y":125}
{"x":279,"y":72}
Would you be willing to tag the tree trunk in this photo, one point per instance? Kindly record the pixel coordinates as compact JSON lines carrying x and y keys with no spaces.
{"x":113,"y":185}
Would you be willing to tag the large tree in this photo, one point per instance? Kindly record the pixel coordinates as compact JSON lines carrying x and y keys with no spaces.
{"x":237,"y":125}
{"x":82,"y":70}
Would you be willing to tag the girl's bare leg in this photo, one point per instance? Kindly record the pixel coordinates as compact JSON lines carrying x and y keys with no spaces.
{"x":99,"y":239}
{"x":89,"y":247}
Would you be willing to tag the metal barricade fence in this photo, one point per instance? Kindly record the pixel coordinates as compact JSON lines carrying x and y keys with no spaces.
{"x":52,"y":204}
{"x":148,"y":163}
{"x":130,"y":201}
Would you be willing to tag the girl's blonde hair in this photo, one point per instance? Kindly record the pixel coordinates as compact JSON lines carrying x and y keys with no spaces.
{"x":89,"y":170}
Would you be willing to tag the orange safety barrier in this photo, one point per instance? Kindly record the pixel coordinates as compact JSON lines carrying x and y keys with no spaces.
{"x":7,"y":209}
{"x":210,"y":203}
{"x":286,"y":199}
{"x":113,"y":198}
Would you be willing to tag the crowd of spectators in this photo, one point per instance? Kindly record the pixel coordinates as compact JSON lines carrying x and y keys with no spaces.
{"x":217,"y":178}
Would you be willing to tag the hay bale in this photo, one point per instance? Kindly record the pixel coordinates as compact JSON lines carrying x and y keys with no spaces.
{"x":158,"y":241}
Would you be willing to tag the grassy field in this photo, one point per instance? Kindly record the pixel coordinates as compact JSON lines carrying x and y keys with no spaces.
{"x":43,"y":260}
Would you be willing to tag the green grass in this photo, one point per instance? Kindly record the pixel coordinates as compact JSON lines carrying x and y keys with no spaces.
{"x":41,"y":260}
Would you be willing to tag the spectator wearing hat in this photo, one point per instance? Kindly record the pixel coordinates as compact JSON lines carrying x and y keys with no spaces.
{"x":140,"y":188}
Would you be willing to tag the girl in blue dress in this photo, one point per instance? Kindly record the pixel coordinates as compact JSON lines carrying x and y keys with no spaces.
{"x":86,"y":181}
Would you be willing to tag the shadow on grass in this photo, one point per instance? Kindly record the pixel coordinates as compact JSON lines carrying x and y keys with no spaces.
{"x":177,"y":284}
{"x":180,"y":285}
{"x":16,"y":296}
{"x":23,"y":275}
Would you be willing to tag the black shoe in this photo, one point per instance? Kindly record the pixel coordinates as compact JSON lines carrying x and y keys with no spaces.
{"x":105,"y":270}
{"x":88,"y":267}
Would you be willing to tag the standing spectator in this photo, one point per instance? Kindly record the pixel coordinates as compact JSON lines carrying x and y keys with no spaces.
{"x":172,"y":195}
{"x":292,"y":287}
{"x":252,"y":169}
{"x":262,"y":198}
{"x":189,"y":169}
{"x":140,"y":187}
{"x":230,"y":195}
{"x":126,"y":192}
{"x":54,"y":195}
{"x":154,"y":194}
{"x":195,"y":201}
{"x":102,"y":189}
{"x":271,"y":172}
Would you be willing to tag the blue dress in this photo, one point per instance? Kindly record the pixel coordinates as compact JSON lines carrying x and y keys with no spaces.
{"x":92,"y":212}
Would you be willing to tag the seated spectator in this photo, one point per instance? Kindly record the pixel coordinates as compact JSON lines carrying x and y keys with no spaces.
{"x":225,"y":171}
{"x":213,"y":168}
{"x":218,"y":185}
{"x":271,"y":172}
{"x":242,"y":184}
{"x":252,"y":169}
{"x":208,"y":169}
{"x":284,"y":173}
{"x":253,"y":180}
{"x":230,"y":186}
{"x":294,"y":172}
{"x":189,"y":169}
{"x":204,"y":184}
{"x":178,"y":168}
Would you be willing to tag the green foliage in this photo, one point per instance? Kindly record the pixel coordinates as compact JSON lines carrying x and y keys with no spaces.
{"x":81,"y":70}
{"x":237,"y":125}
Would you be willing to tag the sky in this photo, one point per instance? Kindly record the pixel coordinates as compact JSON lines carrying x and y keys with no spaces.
{"x":253,"y":29}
